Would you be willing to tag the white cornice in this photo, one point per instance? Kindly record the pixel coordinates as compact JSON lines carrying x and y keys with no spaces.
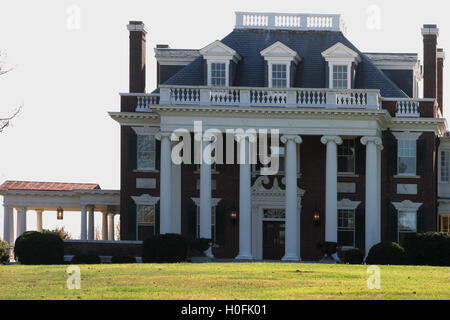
{"x":341,"y":52}
{"x":214,"y":201}
{"x":136,"y":118}
{"x":145,"y":200}
{"x":407,"y":205}
{"x":348,"y":204}
{"x":279,"y":50}
{"x":219,"y":50}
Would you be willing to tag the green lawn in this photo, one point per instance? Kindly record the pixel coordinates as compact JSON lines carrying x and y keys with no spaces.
{"x":223,"y":281}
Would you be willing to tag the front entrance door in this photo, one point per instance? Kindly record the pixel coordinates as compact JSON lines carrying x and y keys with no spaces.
{"x":273,"y":240}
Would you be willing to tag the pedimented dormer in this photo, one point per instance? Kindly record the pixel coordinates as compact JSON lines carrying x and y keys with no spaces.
{"x":342,"y":62}
{"x":221,"y":61}
{"x":281,"y":62}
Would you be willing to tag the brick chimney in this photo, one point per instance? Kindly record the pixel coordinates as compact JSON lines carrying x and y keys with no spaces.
{"x":138,"y":33}
{"x":430,"y":34}
{"x":440,"y":78}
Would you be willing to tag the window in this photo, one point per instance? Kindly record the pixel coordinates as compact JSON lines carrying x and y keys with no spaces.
{"x":279,"y":76}
{"x":445,"y":166}
{"x":407,"y":224}
{"x":445,"y":224}
{"x":346,"y":156}
{"x":218,"y":75}
{"x":146,"y":149}
{"x":407,"y":157}
{"x":213,"y":223}
{"x":340,"y":77}
{"x":346,"y":228}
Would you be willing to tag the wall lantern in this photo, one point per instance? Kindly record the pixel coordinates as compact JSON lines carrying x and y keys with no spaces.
{"x":316,"y":217}
{"x":233,"y":215}
{"x":60,"y":213}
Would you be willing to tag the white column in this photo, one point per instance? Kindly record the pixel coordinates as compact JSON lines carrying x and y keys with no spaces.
{"x":39,"y":220}
{"x":205,"y":193}
{"x":6,"y":224}
{"x":91,"y":224}
{"x":245,"y":218}
{"x":374,"y":146}
{"x":292,"y":219}
{"x":331,"y":218}
{"x":111,"y":227}
{"x":23,"y":220}
{"x":83,"y":222}
{"x":11,"y":226}
{"x":18,"y":223}
{"x":105,"y":225}
{"x":165,"y":183}
{"x":176,"y":198}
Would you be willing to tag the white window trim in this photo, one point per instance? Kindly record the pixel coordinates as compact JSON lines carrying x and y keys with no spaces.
{"x":406,"y":136}
{"x":346,"y":204}
{"x":288,"y":72}
{"x":440,"y":166}
{"x":144,"y":200}
{"x":350,"y":174}
{"x":331,"y":73}
{"x":214,"y":203}
{"x":227,"y":71}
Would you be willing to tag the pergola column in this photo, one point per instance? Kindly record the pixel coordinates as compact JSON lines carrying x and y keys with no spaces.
{"x":331,"y":216}
{"x":111,"y":226}
{"x":91,"y":225}
{"x":374,"y":145}
{"x":11,"y":226}
{"x":292,"y":219}
{"x":165,"y":183}
{"x":23,"y":220}
{"x":39,"y":220}
{"x":245,"y":218}
{"x":83,"y":222}
{"x":6,"y":224}
{"x":105,"y":225}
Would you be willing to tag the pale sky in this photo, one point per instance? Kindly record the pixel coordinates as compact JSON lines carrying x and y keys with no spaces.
{"x":67,"y":79}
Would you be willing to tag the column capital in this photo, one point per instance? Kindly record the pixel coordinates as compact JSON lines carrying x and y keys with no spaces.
{"x":336,"y":139}
{"x":375,"y":140}
{"x":239,"y":137}
{"x":296,"y":139}
{"x":160,"y":135}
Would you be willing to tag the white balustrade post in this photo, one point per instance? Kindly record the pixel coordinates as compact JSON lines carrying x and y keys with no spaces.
{"x":331,"y":217}
{"x":205,"y":97}
{"x":291,"y":99}
{"x":164,"y":96}
{"x":91,"y":224}
{"x":245,"y":219}
{"x":292,"y":247}
{"x":111,"y":227}
{"x":205,"y":192}
{"x":244,"y":95}
{"x":374,"y":146}
{"x":105,"y":225}
{"x":39,"y":220}
{"x":23,"y":220}
{"x":6,"y":224}
{"x":165,"y":183}
{"x":83,"y":233}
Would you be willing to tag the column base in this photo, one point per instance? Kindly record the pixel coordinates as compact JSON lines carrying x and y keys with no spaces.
{"x":291,"y":258}
{"x":209,"y":253}
{"x":244,"y":256}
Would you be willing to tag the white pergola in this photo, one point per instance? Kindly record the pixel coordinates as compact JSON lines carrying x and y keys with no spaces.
{"x":22,"y":197}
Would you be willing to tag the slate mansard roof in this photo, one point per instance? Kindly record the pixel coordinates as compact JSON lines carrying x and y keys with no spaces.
{"x":311,"y":71}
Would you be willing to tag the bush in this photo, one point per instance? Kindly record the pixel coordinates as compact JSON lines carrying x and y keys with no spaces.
{"x":354,"y":256}
{"x":165,"y":248}
{"x":200,"y":244}
{"x":123,"y":259}
{"x":387,"y":253}
{"x":431,"y":249}
{"x":4,"y":252}
{"x":86,"y":259}
{"x":35,"y":248}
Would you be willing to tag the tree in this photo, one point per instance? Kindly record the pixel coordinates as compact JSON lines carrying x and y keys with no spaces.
{"x":5,"y":121}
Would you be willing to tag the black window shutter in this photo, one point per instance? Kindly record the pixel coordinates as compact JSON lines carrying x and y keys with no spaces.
{"x":393,"y":150}
{"x":131,"y":221}
{"x":192,"y":165}
{"x":157,"y":218}
{"x":360,"y":158}
{"x":360,"y":228}
{"x":192,"y":222}
{"x":292,"y":75}
{"x":421,"y":157}
{"x":393,"y":225}
{"x":266,"y":74}
{"x":157,"y":154}
{"x":220,"y":225}
{"x":132,"y":151}
{"x":205,"y":72}
{"x":421,"y":221}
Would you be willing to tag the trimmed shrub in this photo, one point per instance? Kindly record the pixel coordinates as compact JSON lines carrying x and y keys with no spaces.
{"x":199,"y":245}
{"x":431,"y":249}
{"x":123,"y":259}
{"x":35,"y":248}
{"x":354,"y":256}
{"x":387,"y":253}
{"x":165,"y":248}
{"x":4,"y":252}
{"x":86,"y":259}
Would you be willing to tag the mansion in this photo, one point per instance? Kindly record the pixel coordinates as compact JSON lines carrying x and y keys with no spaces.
{"x":362,"y":143}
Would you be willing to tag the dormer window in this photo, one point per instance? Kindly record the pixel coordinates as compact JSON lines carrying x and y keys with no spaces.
{"x":342,"y":62}
{"x":280,"y":62}
{"x":220,"y":63}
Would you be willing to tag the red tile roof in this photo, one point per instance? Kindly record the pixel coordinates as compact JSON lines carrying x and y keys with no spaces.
{"x":47,"y":186}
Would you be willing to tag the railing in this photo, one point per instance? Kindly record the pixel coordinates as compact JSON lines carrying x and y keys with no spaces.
{"x":289,"y":21}
{"x":408,"y":108}
{"x":144,"y":100}
{"x":262,"y":97}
